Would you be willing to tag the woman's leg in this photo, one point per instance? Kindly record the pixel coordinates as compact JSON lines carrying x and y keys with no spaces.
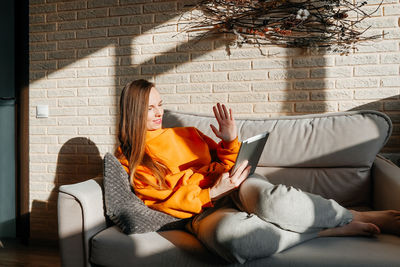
{"x":288,"y":207}
{"x":295,"y":210}
{"x":237,"y":236}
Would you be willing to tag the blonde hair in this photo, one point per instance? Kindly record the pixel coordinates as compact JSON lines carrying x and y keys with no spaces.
{"x":132,"y":132}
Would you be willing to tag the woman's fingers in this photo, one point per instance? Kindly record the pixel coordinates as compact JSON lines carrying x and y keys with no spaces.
{"x":216,"y":132}
{"x":239,"y":170}
{"x":217,"y":114}
{"x":226,"y":113}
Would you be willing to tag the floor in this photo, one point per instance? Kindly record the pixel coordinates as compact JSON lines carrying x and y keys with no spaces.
{"x":14,"y":253}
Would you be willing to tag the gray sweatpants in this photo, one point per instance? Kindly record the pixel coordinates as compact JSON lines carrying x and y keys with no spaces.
{"x":261,"y":219}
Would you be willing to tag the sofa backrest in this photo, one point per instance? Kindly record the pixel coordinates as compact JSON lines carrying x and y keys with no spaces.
{"x":326,"y":154}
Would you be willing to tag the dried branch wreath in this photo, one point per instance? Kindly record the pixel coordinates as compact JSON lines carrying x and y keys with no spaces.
{"x":293,"y":23}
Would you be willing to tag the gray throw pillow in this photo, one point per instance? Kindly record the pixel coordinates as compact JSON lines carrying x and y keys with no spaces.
{"x":125,"y":209}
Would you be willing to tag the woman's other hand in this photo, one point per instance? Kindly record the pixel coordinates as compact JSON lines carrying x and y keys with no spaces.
{"x":227,"y":125}
{"x":229,"y":181}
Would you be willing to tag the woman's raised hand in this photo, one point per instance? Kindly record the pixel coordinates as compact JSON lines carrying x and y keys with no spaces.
{"x":229,"y":181}
{"x":227,"y":126}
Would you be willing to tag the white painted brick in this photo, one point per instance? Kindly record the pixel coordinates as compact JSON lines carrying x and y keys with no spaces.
{"x":390,"y":34}
{"x":313,"y":62}
{"x":199,"y":108}
{"x":209,"y":77}
{"x":37,"y":187}
{"x":35,"y":93}
{"x":103,"y":139}
{"x":138,"y":60}
{"x":359,"y":105}
{"x":172,"y":78}
{"x":103,"y":120}
{"x":248,"y":75}
{"x":61,"y":92}
{"x":65,"y":73}
{"x":193,"y":88}
{"x":231,"y":87}
{"x":316,"y":107}
{"x":42,"y":122}
{"x":43,"y":65}
{"x":159,"y":7}
{"x":158,"y":69}
{"x":75,"y":44}
{"x":43,"y":84}
{"x":72,"y":121}
{"x":357,"y":83}
{"x":137,"y":20}
{"x":314,"y":84}
{"x":391,"y":10}
{"x":381,"y":46}
{"x":92,"y":13}
{"x":92,"y":111}
{"x":376,"y":93}
{"x":210,"y":56}
{"x":42,"y":140}
{"x":240,"y":108}
{"x":37,"y":168}
{"x":103,"y":42}
{"x":37,"y":56}
{"x":288,"y":74}
{"x":102,"y":81}
{"x":379,"y":22}
{"x":334,"y":72}
{"x":247,"y":97}
{"x":170,"y":28}
{"x":71,"y":6}
{"x":356,"y":60}
{"x":49,"y":102}
{"x":82,"y":63}
{"x":384,"y":70}
{"x":332,"y":95}
{"x":172,"y":58}
{"x":57,"y":111}
{"x":193,"y":67}
{"x":121,"y":30}
{"x":43,"y":47}
{"x":72,"y":102}
{"x":48,"y":27}
{"x":38,"y":130}
{"x":102,"y":62}
{"x":271,"y":63}
{"x":390,"y":81}
{"x":175,"y":99}
{"x":271,"y":86}
{"x":93,"y":91}
{"x":66,"y":54}
{"x":141,"y":39}
{"x":91,"y":72}
{"x":245,"y":53}
{"x":232,"y":65}
{"x":273,"y":107}
{"x":392,"y":58}
{"x":69,"y":83}
{"x":61,"y":130}
{"x":65,"y":35}
{"x":166,"y":88}
{"x":102,"y":101}
{"x":123,"y":71}
{"x":93,"y":130}
{"x":195,"y":46}
{"x":42,"y":9}
{"x":45,"y":177}
{"x":36,"y":75}
{"x":169,"y":37}
{"x":276,"y":51}
{"x":208,"y":98}
{"x":288,"y":96}
{"x":159,"y":48}
{"x":37,"y":37}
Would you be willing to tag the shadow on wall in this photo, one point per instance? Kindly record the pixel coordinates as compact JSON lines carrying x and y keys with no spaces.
{"x":78,"y":160}
{"x":390,"y":106}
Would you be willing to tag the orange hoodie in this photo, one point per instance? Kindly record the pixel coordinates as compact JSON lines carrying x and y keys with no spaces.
{"x":186,"y":152}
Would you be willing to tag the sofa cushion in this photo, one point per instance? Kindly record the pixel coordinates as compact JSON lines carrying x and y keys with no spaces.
{"x":178,"y":248}
{"x":125,"y":209}
{"x":326,"y":154}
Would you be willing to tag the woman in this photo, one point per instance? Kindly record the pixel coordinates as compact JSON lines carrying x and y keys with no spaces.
{"x":184,"y":173}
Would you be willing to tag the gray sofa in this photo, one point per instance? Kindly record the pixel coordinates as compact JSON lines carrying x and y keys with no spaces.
{"x":334,"y":155}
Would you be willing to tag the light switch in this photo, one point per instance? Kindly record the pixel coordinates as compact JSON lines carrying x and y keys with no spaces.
{"x":42,"y":111}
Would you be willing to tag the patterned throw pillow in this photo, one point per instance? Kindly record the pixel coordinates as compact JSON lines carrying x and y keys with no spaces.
{"x":125,"y":209}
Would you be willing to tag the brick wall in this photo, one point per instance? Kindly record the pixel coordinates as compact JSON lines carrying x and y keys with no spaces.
{"x":83,"y":52}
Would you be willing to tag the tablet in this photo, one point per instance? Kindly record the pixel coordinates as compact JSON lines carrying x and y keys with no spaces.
{"x":251,"y":150}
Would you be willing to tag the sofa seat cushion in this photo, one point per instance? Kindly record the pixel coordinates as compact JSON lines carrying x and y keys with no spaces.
{"x":178,"y":248}
{"x":111,"y":247}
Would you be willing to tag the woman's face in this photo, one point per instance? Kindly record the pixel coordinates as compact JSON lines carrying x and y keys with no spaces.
{"x":156,"y":111}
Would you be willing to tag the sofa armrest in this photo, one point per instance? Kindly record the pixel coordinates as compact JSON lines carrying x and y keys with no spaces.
{"x":81,"y":215}
{"x":386,"y":184}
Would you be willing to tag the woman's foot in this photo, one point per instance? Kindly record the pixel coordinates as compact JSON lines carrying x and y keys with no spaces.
{"x":354,"y":228}
{"x":387,"y":220}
